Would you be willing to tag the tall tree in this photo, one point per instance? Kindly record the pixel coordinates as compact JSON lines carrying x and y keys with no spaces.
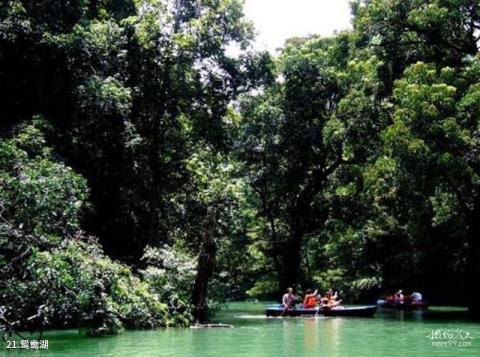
{"x":298,"y":134}
{"x":129,"y":87}
{"x":404,"y":32}
{"x":430,"y":150}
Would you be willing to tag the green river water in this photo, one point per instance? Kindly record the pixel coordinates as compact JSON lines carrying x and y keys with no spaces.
{"x":387,"y":334}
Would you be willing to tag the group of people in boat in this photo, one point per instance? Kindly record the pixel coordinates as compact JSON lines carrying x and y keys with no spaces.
{"x":415,"y":298}
{"x":312,"y":299}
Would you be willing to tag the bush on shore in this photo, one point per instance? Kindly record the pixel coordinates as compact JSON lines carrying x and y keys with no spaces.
{"x":53,"y":275}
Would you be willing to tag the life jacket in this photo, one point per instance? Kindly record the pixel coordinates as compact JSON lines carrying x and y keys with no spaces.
{"x":310,"y":301}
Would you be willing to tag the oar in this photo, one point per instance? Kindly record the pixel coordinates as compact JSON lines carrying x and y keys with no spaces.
{"x":319,"y":307}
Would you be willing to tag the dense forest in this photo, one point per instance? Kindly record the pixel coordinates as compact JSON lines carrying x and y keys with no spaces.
{"x":153,"y":164}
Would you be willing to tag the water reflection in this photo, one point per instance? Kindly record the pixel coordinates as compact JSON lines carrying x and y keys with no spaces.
{"x":332,"y":334}
{"x":289,"y":343}
{"x":254,"y":335}
{"x":322,"y":334}
{"x":311,"y":334}
{"x":417,"y":315}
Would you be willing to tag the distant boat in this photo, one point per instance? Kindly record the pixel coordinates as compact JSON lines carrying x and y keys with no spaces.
{"x":407,"y":306}
{"x":357,"y":311}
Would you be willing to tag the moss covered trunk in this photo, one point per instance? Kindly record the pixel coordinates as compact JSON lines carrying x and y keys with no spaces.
{"x":206,"y":263}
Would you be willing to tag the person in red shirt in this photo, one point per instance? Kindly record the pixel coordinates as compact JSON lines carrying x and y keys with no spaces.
{"x":310,"y":300}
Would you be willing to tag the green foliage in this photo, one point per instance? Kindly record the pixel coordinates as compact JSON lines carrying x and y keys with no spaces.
{"x":170,"y":273}
{"x":131,"y":87}
{"x":52,"y":274}
{"x":351,"y":161}
{"x":363,"y":154}
{"x":264,"y":289}
{"x":330,"y":278}
{"x":405,"y":32}
{"x":74,"y":284}
{"x":302,"y":140}
{"x":38,"y":194}
{"x":219,"y":185}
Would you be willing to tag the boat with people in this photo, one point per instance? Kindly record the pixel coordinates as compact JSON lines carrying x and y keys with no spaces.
{"x":398,"y":301}
{"x":314,"y":304}
{"x":405,"y":307}
{"x":352,"y":311}
{"x":355,"y":311}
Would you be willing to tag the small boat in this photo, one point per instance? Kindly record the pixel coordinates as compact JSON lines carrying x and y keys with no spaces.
{"x":360,"y":311}
{"x":407,"y":306}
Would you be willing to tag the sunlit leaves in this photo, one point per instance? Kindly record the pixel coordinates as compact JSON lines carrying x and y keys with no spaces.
{"x":107,"y":96}
{"x":13,"y":20}
{"x":37,"y":193}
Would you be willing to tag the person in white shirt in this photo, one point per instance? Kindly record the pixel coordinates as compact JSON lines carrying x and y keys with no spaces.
{"x":399,"y":297}
{"x":416,"y":297}
{"x":288,"y":300}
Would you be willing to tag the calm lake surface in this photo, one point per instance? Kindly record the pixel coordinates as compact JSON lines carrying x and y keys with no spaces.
{"x":387,"y":334}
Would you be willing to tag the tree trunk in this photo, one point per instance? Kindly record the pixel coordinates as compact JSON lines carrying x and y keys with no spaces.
{"x":289,"y":269}
{"x":206,"y":262}
{"x":474,"y":259}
